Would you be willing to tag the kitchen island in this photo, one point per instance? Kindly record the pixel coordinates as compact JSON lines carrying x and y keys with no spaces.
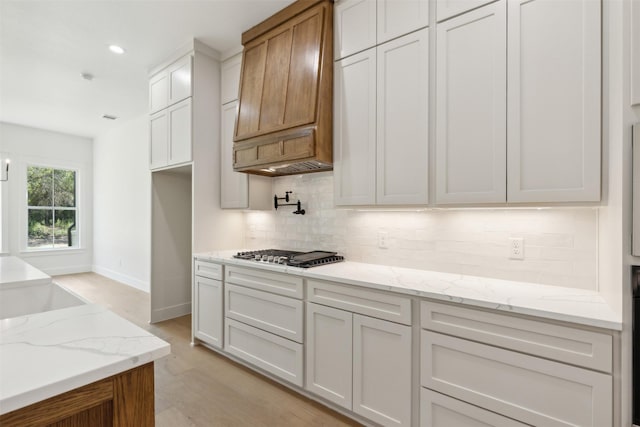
{"x":80,"y":362}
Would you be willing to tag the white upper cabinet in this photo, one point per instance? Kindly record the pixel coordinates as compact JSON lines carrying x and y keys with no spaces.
{"x":542,"y":145}
{"x":362,"y":24}
{"x":159,"y":140}
{"x":158,"y":92}
{"x":171,"y":85}
{"x":402,"y":120}
{"x":179,"y":116}
{"x":171,"y":120}
{"x":381,"y":138}
{"x":234,"y":188}
{"x":354,"y":151}
{"x":635,"y":53}
{"x":471,"y":127}
{"x":237,"y":190}
{"x":399,"y":17}
{"x":447,"y":8}
{"x":553,"y":104}
{"x":230,"y":79}
{"x":354,"y":26}
{"x":170,"y":136}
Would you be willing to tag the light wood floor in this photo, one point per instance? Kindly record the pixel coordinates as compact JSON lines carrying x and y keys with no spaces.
{"x":196,"y":386}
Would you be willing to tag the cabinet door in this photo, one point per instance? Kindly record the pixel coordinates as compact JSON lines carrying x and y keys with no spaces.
{"x":447,"y":8}
{"x":234,"y":186}
{"x":179,"y":75}
{"x":354,"y":139}
{"x":438,"y":410}
{"x":382,"y":371}
{"x":329,"y":353}
{"x":208,"y":310}
{"x":180,"y":132}
{"x":283,"y":67}
{"x":553,"y":104}
{"x":471,"y":91}
{"x":399,"y":17}
{"x":158,"y":92}
{"x":230,"y":79}
{"x":635,"y":53}
{"x":354,"y":26}
{"x":402,"y":120}
{"x":158,"y":140}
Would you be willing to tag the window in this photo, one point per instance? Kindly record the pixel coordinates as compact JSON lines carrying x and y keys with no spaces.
{"x":52,"y":211}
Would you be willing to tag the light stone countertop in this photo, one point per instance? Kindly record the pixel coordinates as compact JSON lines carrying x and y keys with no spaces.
{"x":573,"y":305}
{"x":16,"y":272}
{"x":52,"y":352}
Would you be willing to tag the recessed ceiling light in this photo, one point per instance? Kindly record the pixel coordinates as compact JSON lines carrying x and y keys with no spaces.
{"x":116,"y":49}
{"x":87,"y":76}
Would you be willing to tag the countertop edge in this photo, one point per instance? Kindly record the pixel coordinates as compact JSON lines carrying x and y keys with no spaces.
{"x":610,"y":321}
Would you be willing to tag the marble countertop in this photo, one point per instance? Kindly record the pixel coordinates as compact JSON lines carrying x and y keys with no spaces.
{"x":573,"y":305}
{"x":16,"y":272}
{"x":51,"y":352}
{"x":45,"y":354}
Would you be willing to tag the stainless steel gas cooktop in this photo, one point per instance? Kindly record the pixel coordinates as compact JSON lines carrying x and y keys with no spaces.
{"x":292,"y":258}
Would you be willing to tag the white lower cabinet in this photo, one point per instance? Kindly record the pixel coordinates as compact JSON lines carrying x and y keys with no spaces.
{"x":438,"y":410}
{"x":382,"y":371}
{"x":207,"y":316}
{"x":208,"y":310}
{"x":360,"y":363}
{"x":329,"y":366}
{"x":533,"y":390}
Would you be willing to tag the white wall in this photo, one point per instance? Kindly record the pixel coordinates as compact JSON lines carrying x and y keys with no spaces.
{"x":29,"y":145}
{"x":122,"y":188}
{"x":560,"y":244}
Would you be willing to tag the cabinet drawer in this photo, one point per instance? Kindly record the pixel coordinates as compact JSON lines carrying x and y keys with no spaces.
{"x":438,"y":410}
{"x":363,"y":301}
{"x":445,"y":9}
{"x":281,"y":284}
{"x":208,"y":269}
{"x":529,"y":389}
{"x":575,"y":346}
{"x":278,"y":356}
{"x":273,"y":313}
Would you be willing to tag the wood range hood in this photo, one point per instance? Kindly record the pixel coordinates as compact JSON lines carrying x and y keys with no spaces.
{"x":284,"y":117}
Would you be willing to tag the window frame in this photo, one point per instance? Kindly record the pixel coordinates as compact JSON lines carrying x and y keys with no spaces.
{"x":24,"y":215}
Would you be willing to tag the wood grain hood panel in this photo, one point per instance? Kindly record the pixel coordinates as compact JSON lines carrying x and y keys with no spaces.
{"x":284,"y":120}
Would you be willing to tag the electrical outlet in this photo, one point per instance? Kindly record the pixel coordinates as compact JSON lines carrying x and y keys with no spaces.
{"x":516,"y":248}
{"x":382,"y":239}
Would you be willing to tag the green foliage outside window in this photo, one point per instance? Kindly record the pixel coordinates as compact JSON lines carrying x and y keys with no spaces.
{"x":51,"y":195}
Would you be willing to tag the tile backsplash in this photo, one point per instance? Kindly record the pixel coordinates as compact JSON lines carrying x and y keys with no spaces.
{"x":560,"y":244}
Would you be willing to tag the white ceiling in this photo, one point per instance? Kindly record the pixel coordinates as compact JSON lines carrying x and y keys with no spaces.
{"x":46,"y":45}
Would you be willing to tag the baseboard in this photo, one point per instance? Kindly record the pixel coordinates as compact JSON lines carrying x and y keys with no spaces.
{"x":58,"y":271}
{"x":122,"y":278}
{"x":172,"y":312}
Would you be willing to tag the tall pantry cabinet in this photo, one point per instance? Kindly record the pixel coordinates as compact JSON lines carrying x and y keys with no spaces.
{"x":518,"y":93}
{"x":184,"y":158}
{"x":381,"y":102}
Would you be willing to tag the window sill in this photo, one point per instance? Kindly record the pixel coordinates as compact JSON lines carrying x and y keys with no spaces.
{"x":47,"y":252}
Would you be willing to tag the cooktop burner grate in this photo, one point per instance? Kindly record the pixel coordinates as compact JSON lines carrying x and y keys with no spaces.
{"x":292,"y":258}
